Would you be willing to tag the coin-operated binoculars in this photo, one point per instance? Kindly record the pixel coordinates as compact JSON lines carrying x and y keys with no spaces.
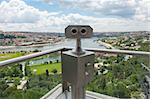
{"x":77,"y":65}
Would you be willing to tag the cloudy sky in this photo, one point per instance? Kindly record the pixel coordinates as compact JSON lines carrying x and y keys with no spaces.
{"x":55,"y":15}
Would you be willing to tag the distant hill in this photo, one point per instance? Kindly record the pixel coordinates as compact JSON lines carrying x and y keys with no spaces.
{"x":95,"y":34}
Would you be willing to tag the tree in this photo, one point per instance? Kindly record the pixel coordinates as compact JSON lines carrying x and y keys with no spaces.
{"x":50,"y":62}
{"x":3,"y":86}
{"x":36,"y":50}
{"x":102,"y":82}
{"x":27,"y":71}
{"x":2,"y":73}
{"x":119,"y":58}
{"x":117,"y":71}
{"x":54,"y":71}
{"x":57,"y":61}
{"x":20,"y":65}
{"x":9,"y":90}
{"x":47,"y":72}
{"x":121,"y":91}
{"x":45,"y":62}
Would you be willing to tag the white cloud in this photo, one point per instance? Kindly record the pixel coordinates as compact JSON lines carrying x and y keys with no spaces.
{"x":106,"y":7}
{"x":17,"y":11}
{"x":143,"y":10}
{"x":49,"y":1}
{"x":137,"y":9}
{"x":17,"y":15}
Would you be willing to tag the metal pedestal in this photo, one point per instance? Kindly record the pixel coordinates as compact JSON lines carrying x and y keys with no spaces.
{"x":78,"y":71}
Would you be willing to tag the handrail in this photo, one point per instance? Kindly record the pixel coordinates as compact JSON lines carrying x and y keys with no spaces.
{"x":145,"y":67}
{"x":114,"y":51}
{"x":30,"y":56}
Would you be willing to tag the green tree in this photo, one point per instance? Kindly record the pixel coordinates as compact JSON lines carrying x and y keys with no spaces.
{"x":47,"y":72}
{"x":102,"y":82}
{"x":54,"y":71}
{"x":121,"y":91}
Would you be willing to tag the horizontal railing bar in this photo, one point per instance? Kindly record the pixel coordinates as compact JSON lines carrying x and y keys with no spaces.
{"x":30,"y":56}
{"x":147,"y":68}
{"x":115,"y":51}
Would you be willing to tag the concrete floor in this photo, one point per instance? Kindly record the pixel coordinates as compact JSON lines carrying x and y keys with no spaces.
{"x":67,"y":95}
{"x":56,"y":93}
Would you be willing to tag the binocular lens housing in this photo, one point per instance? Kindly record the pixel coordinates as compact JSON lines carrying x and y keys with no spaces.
{"x":83,"y":31}
{"x":74,"y":31}
{"x":78,"y":31}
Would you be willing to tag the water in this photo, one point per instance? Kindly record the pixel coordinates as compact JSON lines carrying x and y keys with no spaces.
{"x":88,"y":43}
{"x":43,"y":60}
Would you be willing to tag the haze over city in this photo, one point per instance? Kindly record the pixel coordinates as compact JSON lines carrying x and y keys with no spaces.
{"x":55,"y":15}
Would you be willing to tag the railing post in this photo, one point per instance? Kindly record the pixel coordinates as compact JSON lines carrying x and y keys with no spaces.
{"x":65,"y":84}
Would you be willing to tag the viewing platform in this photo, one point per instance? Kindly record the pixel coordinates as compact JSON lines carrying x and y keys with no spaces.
{"x":56,"y":93}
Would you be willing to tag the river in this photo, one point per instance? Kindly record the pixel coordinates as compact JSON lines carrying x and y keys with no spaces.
{"x":89,"y":43}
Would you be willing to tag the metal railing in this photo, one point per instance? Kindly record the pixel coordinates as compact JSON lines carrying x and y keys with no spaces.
{"x":61,"y":49}
{"x":37,"y":54}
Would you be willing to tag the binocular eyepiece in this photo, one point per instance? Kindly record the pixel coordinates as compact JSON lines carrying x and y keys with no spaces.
{"x":82,"y":31}
{"x":78,"y":31}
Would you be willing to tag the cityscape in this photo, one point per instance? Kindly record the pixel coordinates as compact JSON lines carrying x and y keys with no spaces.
{"x":35,"y":40}
{"x":108,"y":67}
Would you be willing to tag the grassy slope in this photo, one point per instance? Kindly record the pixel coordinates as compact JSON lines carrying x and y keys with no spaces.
{"x":41,"y":68}
{"x":10,"y":55}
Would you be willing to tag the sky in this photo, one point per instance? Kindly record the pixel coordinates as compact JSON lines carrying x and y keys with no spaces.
{"x":55,"y":15}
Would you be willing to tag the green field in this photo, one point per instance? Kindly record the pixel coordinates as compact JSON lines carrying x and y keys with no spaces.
{"x":40,"y":69}
{"x":6,"y":56}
